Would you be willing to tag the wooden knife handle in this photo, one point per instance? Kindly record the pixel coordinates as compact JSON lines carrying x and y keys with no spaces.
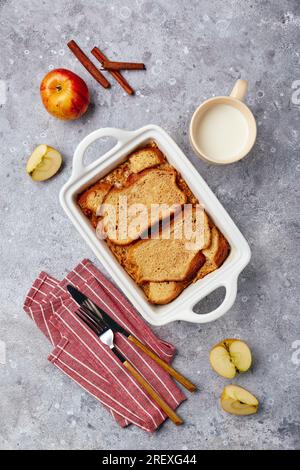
{"x":174,"y":373}
{"x":153,"y":394}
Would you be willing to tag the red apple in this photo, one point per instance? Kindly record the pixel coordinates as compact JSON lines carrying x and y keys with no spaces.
{"x":64,"y":94}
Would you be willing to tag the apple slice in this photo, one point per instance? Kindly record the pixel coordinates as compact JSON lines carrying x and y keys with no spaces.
{"x":230,"y":357}
{"x":238,"y":401}
{"x":43,"y":163}
{"x":240,"y":354}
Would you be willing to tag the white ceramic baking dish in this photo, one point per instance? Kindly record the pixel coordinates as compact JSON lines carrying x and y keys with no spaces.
{"x":182,"y":307}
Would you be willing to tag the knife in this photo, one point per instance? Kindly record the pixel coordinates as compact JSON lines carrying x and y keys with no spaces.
{"x":83,"y":300}
{"x":106,"y":336}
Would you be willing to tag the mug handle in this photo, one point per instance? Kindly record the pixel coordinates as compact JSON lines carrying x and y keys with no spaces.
{"x":239,"y":90}
{"x":187,"y":313}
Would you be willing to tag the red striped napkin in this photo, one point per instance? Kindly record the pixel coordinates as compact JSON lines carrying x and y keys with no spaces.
{"x":79,"y":353}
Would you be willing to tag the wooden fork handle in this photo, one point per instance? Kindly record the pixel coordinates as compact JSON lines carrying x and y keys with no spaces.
{"x":173,"y":372}
{"x":153,"y":394}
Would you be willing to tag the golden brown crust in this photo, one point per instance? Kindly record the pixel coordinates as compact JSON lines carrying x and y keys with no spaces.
{"x":215,"y":255}
{"x":223,"y":251}
{"x":144,"y":159}
{"x":185,"y":276}
{"x":91,"y":199}
{"x":135,"y":177}
{"x":166,"y":257}
{"x":161,"y":293}
{"x":151,"y":186}
{"x":147,"y":157}
{"x":120,"y":251}
{"x":169,"y":291}
{"x":191,"y":199}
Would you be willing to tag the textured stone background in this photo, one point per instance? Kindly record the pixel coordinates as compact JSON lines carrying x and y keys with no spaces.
{"x":193,"y":49}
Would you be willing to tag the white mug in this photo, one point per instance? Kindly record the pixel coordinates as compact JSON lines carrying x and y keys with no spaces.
{"x":233,"y":121}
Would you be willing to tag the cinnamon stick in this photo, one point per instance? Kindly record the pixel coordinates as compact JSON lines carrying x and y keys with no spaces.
{"x":88,"y":64}
{"x":109,"y":65}
{"x":116,"y":74}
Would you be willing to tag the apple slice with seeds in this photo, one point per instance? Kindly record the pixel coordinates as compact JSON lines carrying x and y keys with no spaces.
{"x":238,"y":401}
{"x":43,"y":163}
{"x":230,"y":357}
{"x":240,"y":355}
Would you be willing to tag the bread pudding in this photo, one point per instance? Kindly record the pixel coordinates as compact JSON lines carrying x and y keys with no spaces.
{"x":162,"y":266}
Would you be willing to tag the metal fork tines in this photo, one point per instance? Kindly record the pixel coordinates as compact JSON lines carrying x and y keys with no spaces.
{"x":91,"y":319}
{"x":98,"y":326}
{"x":92,"y":307}
{"x":106,"y":335}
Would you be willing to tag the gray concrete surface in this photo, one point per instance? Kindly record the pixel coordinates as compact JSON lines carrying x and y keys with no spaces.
{"x":193,"y":49}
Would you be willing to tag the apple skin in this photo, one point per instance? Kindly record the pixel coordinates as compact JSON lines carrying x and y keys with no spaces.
{"x":238,"y":401}
{"x":64,"y":94}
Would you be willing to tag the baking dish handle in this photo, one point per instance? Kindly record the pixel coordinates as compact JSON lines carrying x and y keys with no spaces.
{"x":79,"y":168}
{"x":231,"y":291}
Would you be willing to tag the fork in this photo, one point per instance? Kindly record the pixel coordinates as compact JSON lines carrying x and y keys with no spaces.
{"x":106,"y":336}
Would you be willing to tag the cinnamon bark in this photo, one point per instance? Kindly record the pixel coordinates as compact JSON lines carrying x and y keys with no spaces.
{"x":88,"y":64}
{"x":116,"y":74}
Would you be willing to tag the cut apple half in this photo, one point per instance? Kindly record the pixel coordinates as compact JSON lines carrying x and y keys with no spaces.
{"x":238,"y":401}
{"x":230,"y":357}
{"x":43,"y":163}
